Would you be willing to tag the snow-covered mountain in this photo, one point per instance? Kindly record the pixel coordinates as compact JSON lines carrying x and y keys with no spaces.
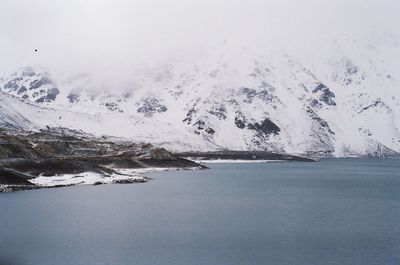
{"x":345,"y":102}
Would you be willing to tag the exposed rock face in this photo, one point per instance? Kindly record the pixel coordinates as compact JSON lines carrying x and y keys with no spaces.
{"x":250,"y":94}
{"x":325,"y":94}
{"x":344,"y":104}
{"x":30,"y":85}
{"x":149,"y":106}
{"x":50,"y":96}
{"x":201,"y":126}
{"x":65,"y":143}
{"x":73,"y":97}
{"x":266,"y":128}
{"x":112,"y":106}
{"x":240,"y":123}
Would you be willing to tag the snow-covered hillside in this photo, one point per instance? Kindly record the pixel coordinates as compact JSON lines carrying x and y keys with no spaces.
{"x":346,"y":102}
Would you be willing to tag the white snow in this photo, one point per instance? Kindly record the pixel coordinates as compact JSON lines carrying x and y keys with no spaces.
{"x":208,"y":87}
{"x":86,"y":178}
{"x":90,"y":178}
{"x":236,"y":161}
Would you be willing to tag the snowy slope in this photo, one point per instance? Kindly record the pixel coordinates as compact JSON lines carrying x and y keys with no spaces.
{"x":344,"y":103}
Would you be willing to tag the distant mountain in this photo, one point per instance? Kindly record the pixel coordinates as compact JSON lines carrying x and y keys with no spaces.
{"x":342,"y":103}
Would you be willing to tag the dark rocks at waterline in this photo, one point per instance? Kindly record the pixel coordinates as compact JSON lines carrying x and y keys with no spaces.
{"x":12,"y":188}
{"x":131,"y":181}
{"x":26,"y":156}
{"x":15,"y":174}
{"x":243,"y":155}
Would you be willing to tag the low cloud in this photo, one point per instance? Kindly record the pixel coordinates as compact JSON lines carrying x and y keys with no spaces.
{"x":110,"y":38}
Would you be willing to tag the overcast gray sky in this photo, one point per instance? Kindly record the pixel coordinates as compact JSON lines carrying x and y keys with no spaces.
{"x":79,"y":35}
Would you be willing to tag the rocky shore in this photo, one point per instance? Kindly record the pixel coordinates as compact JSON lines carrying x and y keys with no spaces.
{"x":243,"y":156}
{"x":61,"y":157}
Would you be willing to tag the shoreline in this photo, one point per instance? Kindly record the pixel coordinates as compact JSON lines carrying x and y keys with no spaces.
{"x":90,"y":178}
{"x":241,"y":156}
{"x":234,"y":161}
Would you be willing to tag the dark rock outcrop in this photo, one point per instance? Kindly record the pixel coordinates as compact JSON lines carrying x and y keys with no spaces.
{"x":266,"y":128}
{"x":149,"y":106}
{"x":325,"y":95}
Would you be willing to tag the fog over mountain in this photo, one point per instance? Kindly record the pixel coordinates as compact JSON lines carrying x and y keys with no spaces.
{"x":110,"y":38}
{"x":286,"y":76}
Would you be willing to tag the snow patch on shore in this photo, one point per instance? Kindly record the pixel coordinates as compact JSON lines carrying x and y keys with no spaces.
{"x":120,"y":175}
{"x":236,"y":161}
{"x":86,"y":178}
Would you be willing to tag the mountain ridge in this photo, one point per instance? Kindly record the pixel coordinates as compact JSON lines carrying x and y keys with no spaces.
{"x":240,"y":100}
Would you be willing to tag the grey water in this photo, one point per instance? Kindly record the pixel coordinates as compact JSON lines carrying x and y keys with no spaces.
{"x":336,"y":211}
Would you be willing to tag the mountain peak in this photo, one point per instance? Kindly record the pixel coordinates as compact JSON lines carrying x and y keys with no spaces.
{"x":234,"y":98}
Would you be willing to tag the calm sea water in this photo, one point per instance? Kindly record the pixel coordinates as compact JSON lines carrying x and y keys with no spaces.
{"x":343,"y":211}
